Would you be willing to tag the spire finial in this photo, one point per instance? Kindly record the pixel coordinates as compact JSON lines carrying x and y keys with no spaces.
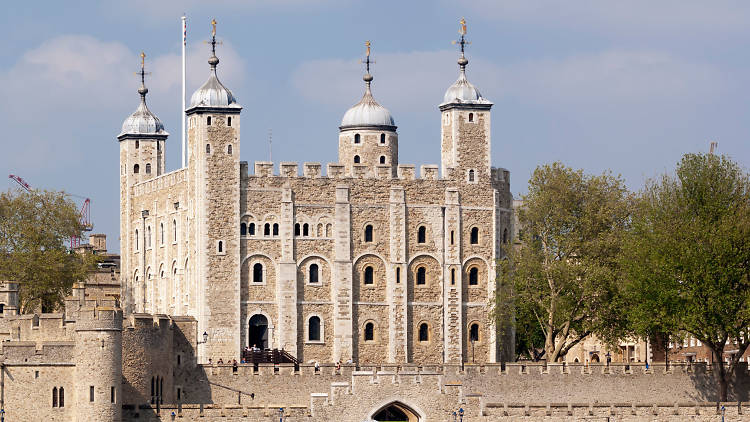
{"x":143,"y":90}
{"x":213,"y":60}
{"x":366,"y":61}
{"x":462,"y":42}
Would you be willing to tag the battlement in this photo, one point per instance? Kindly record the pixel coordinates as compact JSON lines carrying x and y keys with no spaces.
{"x":338,"y":171}
{"x":163,"y":181}
{"x":143,"y":321}
{"x":37,"y":353}
{"x":96,"y":317}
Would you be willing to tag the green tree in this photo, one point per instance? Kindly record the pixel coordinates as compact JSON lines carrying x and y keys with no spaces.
{"x":564,"y":277}
{"x":687,"y":258}
{"x":34,"y":227}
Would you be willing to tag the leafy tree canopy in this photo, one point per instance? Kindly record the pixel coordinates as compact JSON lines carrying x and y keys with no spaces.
{"x":564,"y":278}
{"x":34,"y":227}
{"x":687,"y":257}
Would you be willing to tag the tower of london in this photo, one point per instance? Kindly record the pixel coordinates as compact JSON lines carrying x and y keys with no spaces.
{"x":367,"y":261}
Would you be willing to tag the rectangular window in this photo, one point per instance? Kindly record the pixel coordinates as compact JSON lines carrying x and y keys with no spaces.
{"x":112,"y":395}
{"x":179,"y":394}
{"x":91,"y":393}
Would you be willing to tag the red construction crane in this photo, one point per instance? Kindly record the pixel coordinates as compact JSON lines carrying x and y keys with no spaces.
{"x":84,"y":216}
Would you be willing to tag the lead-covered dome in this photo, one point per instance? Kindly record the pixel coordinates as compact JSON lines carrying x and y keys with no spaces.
{"x":213,"y":93}
{"x":462,"y":91}
{"x":142,"y":121}
{"x":367,"y":112}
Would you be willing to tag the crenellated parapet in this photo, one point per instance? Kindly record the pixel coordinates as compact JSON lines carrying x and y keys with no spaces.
{"x":161,"y":182}
{"x":406,"y":172}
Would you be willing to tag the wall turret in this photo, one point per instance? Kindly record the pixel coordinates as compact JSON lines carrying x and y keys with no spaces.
{"x":465,"y":127}
{"x":142,"y":157}
{"x":214,"y":181}
{"x":367,"y":135}
{"x":98,"y":357}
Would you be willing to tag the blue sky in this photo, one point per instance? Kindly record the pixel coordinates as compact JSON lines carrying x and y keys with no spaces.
{"x":597,"y":84}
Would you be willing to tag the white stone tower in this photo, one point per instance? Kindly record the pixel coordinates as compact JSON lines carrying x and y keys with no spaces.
{"x":142,"y":157}
{"x":214,"y":183}
{"x":465,"y":127}
{"x":367,"y":135}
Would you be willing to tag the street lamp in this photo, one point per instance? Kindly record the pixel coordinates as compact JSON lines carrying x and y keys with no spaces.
{"x":205,"y":338}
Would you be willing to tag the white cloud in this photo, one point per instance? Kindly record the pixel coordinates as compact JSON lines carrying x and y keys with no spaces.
{"x":76,"y":82}
{"x":403,"y":81}
{"x":662,"y":15}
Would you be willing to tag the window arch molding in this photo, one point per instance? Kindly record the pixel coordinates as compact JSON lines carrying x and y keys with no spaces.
{"x":309,"y":334}
{"x":268,"y":268}
{"x":369,"y":331}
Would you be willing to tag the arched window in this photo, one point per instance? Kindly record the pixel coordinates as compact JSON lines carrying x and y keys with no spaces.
{"x":505,"y":235}
{"x":320,"y":230}
{"x":382,"y":159}
{"x":161,"y":233}
{"x":421,"y":275}
{"x":474,"y":235}
{"x":356,"y":138}
{"x":471,"y":175}
{"x":267,"y":229}
{"x":136,"y":169}
{"x":148,"y":168}
{"x":329,"y":230}
{"x":208,"y":148}
{"x":313,"y":329}
{"x":61,"y":397}
{"x":313,"y":273}
{"x":54,"y":396}
{"x":258,"y":273}
{"x":356,"y":159}
{"x":220,"y":246}
{"x":305,"y":230}
{"x":369,"y":331}
{"x":229,"y":123}
{"x":368,"y":233}
{"x":251,"y":229}
{"x":382,"y":138}
{"x":208,"y":120}
{"x":296,"y":229}
{"x":369,"y":278}
{"x":422,"y":234}
{"x":275,"y":229}
{"x":473,"y":276}
{"x":243,"y":229}
{"x":229,"y":149}
{"x":137,"y":238}
{"x":471,"y":117}
{"x":474,"y":332}
{"x":174,"y":230}
{"x":424,"y":332}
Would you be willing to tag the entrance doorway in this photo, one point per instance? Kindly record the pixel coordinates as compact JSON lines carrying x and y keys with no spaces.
{"x":396,"y":412}
{"x":258,"y":332}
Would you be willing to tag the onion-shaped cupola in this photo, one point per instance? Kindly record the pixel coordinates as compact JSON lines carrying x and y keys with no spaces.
{"x":462,"y":91}
{"x":367,"y":136}
{"x":142,"y":122}
{"x":213,"y":94}
{"x":367,"y":113}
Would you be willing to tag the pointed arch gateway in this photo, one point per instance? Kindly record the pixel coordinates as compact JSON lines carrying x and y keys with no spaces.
{"x":396,"y":411}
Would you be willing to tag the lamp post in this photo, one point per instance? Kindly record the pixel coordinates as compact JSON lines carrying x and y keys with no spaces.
{"x":205,"y":338}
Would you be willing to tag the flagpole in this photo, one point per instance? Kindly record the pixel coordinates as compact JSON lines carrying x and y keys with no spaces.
{"x":182,"y":112}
